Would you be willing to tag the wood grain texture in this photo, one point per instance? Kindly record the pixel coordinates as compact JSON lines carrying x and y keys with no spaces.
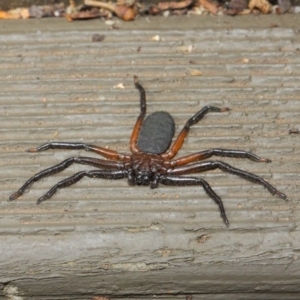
{"x":106,"y":238}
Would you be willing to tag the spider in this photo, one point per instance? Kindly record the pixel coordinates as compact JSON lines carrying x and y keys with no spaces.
{"x":151,"y":161}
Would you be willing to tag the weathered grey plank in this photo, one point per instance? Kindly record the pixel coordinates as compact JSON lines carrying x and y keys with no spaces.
{"x":105,"y":238}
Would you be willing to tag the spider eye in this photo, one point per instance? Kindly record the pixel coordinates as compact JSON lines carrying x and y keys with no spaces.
{"x":142,"y":178}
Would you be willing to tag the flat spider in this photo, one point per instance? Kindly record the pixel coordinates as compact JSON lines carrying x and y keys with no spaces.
{"x":151,"y":161}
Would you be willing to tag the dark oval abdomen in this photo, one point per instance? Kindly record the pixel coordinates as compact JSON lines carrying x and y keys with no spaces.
{"x":156,"y":133}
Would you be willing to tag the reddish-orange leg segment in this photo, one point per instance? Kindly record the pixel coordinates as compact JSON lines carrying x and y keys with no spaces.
{"x":137,"y":127}
{"x":184,"y":132}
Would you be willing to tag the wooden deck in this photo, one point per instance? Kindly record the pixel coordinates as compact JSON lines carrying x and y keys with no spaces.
{"x":105,"y":238}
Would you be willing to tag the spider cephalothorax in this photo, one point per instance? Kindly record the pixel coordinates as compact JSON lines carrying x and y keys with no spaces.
{"x":151,"y":161}
{"x":144,"y":169}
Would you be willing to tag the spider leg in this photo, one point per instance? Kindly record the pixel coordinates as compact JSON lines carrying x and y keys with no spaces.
{"x":105,"y":174}
{"x":99,"y":163}
{"x":136,"y":130}
{"x":184,"y":132}
{"x":110,"y":154}
{"x":189,"y":181}
{"x":212,"y":165}
{"x":217,"y":152}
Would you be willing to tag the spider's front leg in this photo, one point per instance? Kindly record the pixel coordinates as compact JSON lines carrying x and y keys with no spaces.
{"x":138,"y":124}
{"x":190,"y":181}
{"x":107,"y":153}
{"x":184,"y":132}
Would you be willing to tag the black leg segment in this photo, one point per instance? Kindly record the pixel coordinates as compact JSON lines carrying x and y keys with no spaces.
{"x":105,"y":174}
{"x":201,"y":155}
{"x":63,"y":145}
{"x":201,"y":113}
{"x":99,"y":163}
{"x":142,"y":97}
{"x":110,"y":154}
{"x":189,"y":181}
{"x":212,"y":165}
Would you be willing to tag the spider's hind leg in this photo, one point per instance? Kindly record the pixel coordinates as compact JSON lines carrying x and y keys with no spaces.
{"x":190,"y":181}
{"x":100,"y":163}
{"x":212,"y":165}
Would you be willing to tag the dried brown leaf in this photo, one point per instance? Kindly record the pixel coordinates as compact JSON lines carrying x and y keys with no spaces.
{"x":83,"y":15}
{"x":174,"y":5}
{"x":209,"y":6}
{"x":236,"y":6}
{"x":263,"y":5}
{"x":7,"y":15}
{"x":17,"y":13}
{"x":246,"y":11}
